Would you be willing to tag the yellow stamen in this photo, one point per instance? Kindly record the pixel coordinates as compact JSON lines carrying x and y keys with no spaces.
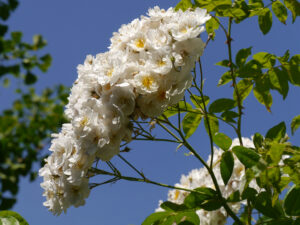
{"x":183,"y":30}
{"x":161,"y":63}
{"x":109,"y":72}
{"x":176,"y":194}
{"x":140,"y":43}
{"x":84,"y":121}
{"x":147,"y":81}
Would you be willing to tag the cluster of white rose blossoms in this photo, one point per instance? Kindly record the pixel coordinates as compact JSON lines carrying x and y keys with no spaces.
{"x":201,"y":178}
{"x":147,"y":68}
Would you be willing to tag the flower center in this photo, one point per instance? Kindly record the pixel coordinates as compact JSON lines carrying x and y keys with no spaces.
{"x":140,"y":43}
{"x":109,"y":72}
{"x":147,"y":82}
{"x":161,"y":63}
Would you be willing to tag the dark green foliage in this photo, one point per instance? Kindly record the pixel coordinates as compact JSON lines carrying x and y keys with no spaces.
{"x":226,"y":166}
{"x":26,"y":126}
{"x":24,"y":131}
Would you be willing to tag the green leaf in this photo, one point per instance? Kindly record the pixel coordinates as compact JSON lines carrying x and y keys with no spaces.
{"x":266,"y":59}
{"x":212,"y":25}
{"x":279,"y":11}
{"x":38,"y":42}
{"x":211,"y":5}
{"x":222,"y":140}
{"x":263,"y":203}
{"x":184,"y":5}
{"x":263,"y":96}
{"x":277,"y":132}
{"x":242,"y":56}
{"x":47,"y":60}
{"x":234,"y":197}
{"x":244,"y":88}
{"x":258,"y":140}
{"x":213,"y":124}
{"x":226,"y":166}
{"x":229,"y":116}
{"x":205,"y":198}
{"x":14,"y":217}
{"x":279,"y":81}
{"x":183,"y":218}
{"x":247,"y":156}
{"x":294,"y":7}
{"x":3,"y":30}
{"x":30,"y":78}
{"x":295,"y":124}
{"x":198,"y":101}
{"x":251,"y":69}
{"x":225,"y":78}
{"x":190,"y":123}
{"x":221,"y":105}
{"x":265,"y":21}
{"x":173,"y":110}
{"x":224,"y":63}
{"x":155,"y":217}
{"x":293,"y":69}
{"x":291,"y":202}
{"x":16,"y":36}
{"x":170,"y":206}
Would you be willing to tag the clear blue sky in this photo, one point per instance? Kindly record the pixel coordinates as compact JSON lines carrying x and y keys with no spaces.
{"x":76,"y":28}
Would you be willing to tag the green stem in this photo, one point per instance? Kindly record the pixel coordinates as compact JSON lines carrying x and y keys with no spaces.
{"x":145,"y":180}
{"x":205,"y":116}
{"x":239,"y":101}
{"x":168,"y":130}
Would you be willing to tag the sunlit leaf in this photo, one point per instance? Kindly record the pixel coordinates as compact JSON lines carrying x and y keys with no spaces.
{"x":279,"y":11}
{"x":222,"y":140}
{"x":190,"y":123}
{"x":247,"y":156}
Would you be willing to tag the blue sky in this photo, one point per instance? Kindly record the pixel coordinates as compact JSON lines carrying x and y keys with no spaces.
{"x":76,"y":28}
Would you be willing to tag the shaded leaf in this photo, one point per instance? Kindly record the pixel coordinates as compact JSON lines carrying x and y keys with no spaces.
{"x":155,"y":217}
{"x":265,"y":21}
{"x":226,"y":166}
{"x":291,"y":202}
{"x":30,"y":78}
{"x":263,"y":203}
{"x":221,"y":105}
{"x":224,"y":63}
{"x":242,"y":56}
{"x":295,"y":124}
{"x":258,"y":140}
{"x":170,"y":206}
{"x":277,"y":132}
